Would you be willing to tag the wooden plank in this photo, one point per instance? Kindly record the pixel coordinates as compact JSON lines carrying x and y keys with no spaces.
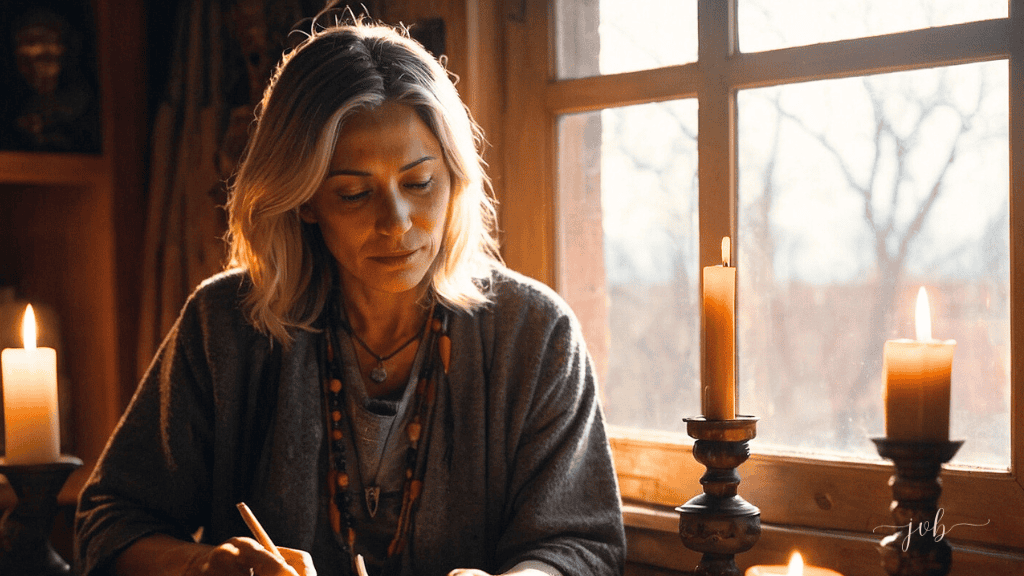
{"x":931,"y":47}
{"x":828,"y":495}
{"x":483,"y":89}
{"x":527,"y":204}
{"x":941,"y":46}
{"x":716,"y":121}
{"x":660,"y":551}
{"x":1016,"y":129}
{"x":625,"y":89}
{"x":59,"y":243}
{"x":122,"y":45}
{"x":49,"y":168}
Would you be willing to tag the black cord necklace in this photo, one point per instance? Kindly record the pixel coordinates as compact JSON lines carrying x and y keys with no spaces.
{"x":434,"y":368}
{"x":379,"y":374}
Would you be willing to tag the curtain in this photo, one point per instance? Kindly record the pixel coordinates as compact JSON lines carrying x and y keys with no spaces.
{"x":224,"y":51}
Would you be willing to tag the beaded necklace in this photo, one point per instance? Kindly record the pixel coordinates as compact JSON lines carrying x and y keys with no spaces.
{"x":439,"y":350}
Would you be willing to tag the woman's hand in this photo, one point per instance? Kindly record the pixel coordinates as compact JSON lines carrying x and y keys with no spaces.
{"x":475,"y":572}
{"x":160,"y":555}
{"x":246,"y":557}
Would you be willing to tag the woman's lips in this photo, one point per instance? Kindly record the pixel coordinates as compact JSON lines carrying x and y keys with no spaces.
{"x":395,"y":258}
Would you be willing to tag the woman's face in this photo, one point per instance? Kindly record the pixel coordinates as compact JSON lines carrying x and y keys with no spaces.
{"x":383,"y":205}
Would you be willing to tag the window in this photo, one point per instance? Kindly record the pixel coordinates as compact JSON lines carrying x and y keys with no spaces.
{"x":852,"y":157}
{"x":852,"y":193}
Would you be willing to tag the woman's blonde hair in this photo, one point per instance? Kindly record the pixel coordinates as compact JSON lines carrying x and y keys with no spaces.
{"x":335,"y":72}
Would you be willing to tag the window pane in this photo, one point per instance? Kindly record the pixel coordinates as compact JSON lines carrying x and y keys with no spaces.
{"x":769,"y":24}
{"x":611,"y":36}
{"x":852,"y":194}
{"x":640,"y":164}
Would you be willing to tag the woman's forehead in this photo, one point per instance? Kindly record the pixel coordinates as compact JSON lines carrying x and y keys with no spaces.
{"x":391,"y":132}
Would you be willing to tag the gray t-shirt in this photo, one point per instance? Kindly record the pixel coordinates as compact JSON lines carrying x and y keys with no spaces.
{"x":377,"y":441}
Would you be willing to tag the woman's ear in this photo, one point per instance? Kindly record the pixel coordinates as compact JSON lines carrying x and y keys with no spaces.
{"x":307,"y":214}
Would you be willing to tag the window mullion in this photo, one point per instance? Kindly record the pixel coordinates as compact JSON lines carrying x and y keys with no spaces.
{"x":527,"y":217}
{"x":1016,"y":129}
{"x":716,"y":130}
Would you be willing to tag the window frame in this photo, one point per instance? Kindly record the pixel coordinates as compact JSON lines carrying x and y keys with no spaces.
{"x":656,"y":470}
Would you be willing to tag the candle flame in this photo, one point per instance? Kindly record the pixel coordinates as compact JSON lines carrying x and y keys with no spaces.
{"x":28,"y":329}
{"x":796,"y":565}
{"x":725,"y":250}
{"x":923,"y":316}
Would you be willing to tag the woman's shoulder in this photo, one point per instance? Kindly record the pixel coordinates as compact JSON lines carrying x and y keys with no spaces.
{"x":218,"y":299}
{"x":227,"y":285}
{"x":514,"y":294}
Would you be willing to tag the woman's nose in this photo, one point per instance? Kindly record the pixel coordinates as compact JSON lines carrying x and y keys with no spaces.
{"x":395,"y":216}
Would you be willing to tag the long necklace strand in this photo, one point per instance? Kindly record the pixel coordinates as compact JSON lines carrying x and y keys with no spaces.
{"x":338,"y":478}
{"x":379,"y":374}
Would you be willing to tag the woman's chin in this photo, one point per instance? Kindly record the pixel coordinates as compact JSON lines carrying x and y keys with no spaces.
{"x":399,"y":282}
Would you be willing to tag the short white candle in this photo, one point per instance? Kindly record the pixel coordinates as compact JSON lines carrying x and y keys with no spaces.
{"x":32,"y":428}
{"x":917,"y":382}
{"x":796,"y":567}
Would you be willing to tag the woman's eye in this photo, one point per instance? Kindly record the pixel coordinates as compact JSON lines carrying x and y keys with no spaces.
{"x":421,"y":185}
{"x":353,"y":196}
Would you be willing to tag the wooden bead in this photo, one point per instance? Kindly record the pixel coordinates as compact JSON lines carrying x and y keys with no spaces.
{"x":414,"y":429}
{"x":336,"y":434}
{"x":435,"y":325}
{"x":342,"y":480}
{"x":444,"y":346}
{"x":335,"y":385}
{"x":335,"y":519}
{"x":336,"y":415}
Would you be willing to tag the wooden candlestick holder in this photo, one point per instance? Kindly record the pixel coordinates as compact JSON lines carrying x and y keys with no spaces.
{"x":719,"y":523}
{"x":25,"y":548}
{"x":913,"y":549}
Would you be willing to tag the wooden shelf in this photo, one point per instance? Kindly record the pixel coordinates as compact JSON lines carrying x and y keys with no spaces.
{"x":38,"y":168}
{"x":70,"y":235}
{"x":58,"y":239}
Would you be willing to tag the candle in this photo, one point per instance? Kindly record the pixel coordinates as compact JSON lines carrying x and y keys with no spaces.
{"x":718,"y":381}
{"x":30,"y":399}
{"x":795,"y":568}
{"x":916,"y":374}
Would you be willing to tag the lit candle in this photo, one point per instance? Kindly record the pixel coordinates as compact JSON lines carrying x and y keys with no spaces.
{"x":30,"y":399}
{"x":916,"y":375}
{"x":795,"y":568}
{"x":718,"y":380}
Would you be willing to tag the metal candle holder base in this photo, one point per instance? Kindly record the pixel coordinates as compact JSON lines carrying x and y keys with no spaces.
{"x":719,"y":523}
{"x":913,"y":550}
{"x":25,"y":548}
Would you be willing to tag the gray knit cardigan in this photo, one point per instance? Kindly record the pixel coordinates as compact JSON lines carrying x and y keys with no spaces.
{"x":518,"y":464}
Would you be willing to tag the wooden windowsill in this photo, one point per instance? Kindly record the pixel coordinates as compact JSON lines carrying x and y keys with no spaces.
{"x":653,"y":542}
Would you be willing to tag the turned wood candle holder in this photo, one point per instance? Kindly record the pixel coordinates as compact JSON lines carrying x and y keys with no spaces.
{"x":719,"y":523}
{"x":913,"y":550}
{"x":25,"y":528}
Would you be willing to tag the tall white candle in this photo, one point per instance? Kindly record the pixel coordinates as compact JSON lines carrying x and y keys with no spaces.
{"x":917,"y":382}
{"x":30,"y":399}
{"x":718,"y":376}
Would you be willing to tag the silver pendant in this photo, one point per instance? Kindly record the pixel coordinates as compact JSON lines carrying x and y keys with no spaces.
{"x":378,"y":374}
{"x":372,"y":499}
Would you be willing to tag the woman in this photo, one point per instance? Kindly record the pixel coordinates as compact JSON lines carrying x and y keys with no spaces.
{"x":369,"y":379}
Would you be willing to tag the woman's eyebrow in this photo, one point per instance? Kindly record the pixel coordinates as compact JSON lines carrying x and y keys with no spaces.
{"x":409,"y":166}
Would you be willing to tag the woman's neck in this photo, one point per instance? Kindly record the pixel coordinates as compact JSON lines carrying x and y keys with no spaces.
{"x":383,"y":320}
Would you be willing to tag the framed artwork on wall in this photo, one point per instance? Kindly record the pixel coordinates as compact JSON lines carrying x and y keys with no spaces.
{"x":50,"y":100}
